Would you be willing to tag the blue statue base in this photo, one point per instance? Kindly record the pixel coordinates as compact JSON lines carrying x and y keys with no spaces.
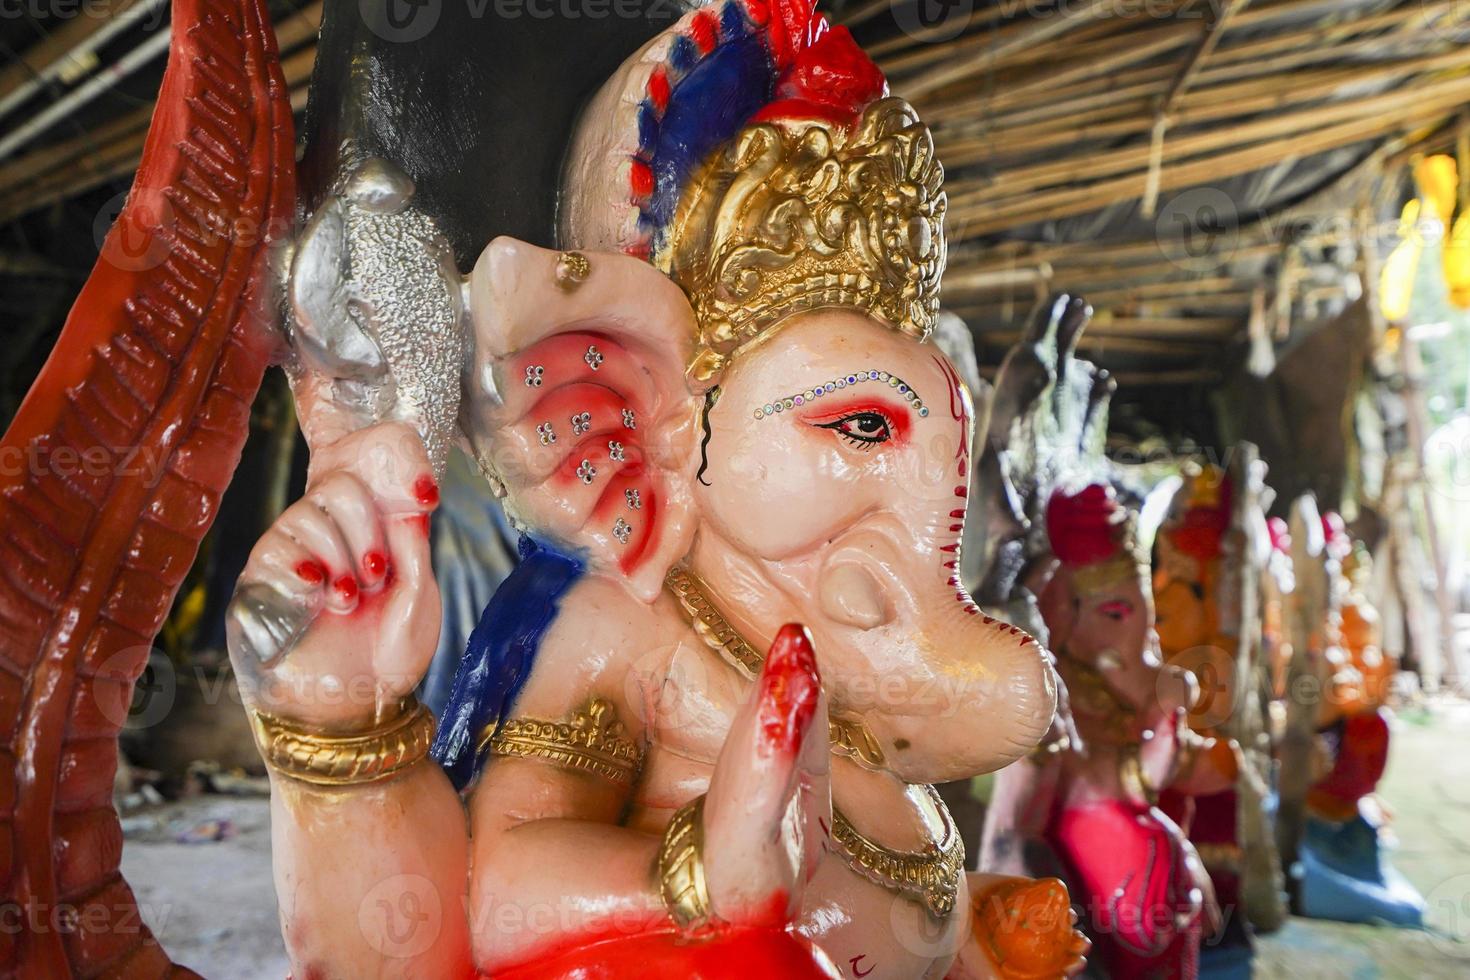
{"x":1345,"y":876}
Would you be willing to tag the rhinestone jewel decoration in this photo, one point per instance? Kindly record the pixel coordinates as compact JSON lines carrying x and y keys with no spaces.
{"x":534,"y":374}
{"x":837,"y":384}
{"x":581,"y":422}
{"x":615,"y":451}
{"x":630,"y":421}
{"x":634,"y":499}
{"x":586,"y":472}
{"x":622,"y":530}
{"x":593,"y":357}
{"x":547,"y":434}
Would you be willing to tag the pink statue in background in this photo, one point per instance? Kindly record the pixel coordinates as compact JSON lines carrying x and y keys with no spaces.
{"x":1144,"y":894}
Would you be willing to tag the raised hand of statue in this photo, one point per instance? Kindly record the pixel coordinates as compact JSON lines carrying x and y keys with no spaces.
{"x":769,"y":796}
{"x":337,"y":613}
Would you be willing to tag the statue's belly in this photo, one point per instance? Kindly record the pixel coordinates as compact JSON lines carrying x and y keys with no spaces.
{"x":870,"y":932}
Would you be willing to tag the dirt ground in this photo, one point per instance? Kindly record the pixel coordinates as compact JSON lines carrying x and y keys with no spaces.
{"x":213,"y":904}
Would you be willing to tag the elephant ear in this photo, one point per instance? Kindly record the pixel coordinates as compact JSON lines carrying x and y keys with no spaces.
{"x":581,"y":409}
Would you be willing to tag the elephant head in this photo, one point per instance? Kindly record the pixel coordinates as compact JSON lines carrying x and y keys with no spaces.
{"x":825,"y":471}
{"x":750,"y":388}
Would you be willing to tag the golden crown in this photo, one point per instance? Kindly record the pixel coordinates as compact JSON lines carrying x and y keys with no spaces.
{"x":801,"y":215}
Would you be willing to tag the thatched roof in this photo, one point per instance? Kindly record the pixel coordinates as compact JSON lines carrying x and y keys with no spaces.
{"x":1178,"y":162}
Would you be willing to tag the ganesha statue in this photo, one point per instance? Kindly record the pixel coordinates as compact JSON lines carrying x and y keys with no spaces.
{"x":1203,"y":581}
{"x":1145,"y":896}
{"x":1344,"y":873}
{"x":716,"y":416}
{"x":696,"y":730}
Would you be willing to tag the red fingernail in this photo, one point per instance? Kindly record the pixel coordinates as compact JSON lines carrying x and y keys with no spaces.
{"x":789,"y":688}
{"x":346,"y":587}
{"x":427,"y":491}
{"x":310,"y":572}
{"x":375,"y":563}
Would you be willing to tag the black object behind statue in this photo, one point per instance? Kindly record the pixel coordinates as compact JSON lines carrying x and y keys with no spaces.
{"x":473,"y":99}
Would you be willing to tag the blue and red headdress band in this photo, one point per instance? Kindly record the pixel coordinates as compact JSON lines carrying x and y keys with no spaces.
{"x":720,"y":69}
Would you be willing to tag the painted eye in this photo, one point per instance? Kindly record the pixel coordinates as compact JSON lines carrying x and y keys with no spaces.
{"x":1116,"y":609}
{"x":862,"y":429}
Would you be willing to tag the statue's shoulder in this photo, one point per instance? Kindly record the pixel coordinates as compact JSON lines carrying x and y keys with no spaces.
{"x":604,"y":636}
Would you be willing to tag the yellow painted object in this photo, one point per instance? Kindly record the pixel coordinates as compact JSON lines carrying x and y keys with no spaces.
{"x":1438,"y":180}
{"x":1457,"y":262}
{"x":1396,"y":284}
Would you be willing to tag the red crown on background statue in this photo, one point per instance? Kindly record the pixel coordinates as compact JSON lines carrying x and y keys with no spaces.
{"x":1094,"y":536}
{"x":1086,"y":527}
{"x":1200,"y":531}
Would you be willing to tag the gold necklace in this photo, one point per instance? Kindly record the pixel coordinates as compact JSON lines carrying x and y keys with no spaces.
{"x":931,"y":876}
{"x":850,"y":737}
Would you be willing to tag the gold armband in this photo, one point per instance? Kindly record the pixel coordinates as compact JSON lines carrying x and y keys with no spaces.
{"x":593,"y":741}
{"x":681,"y":867}
{"x":327,"y":759}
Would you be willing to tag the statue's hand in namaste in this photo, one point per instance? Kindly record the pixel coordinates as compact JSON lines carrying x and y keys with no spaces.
{"x":769,"y":808}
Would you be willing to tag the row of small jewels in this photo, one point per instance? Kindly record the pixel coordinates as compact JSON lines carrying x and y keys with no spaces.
{"x":812,"y":394}
{"x":582,"y":422}
{"x":536,"y":373}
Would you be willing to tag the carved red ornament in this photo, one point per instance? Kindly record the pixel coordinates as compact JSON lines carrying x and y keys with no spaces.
{"x":151,"y":382}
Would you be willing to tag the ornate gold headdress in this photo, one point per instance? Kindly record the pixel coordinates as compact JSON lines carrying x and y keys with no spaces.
{"x":799,"y":215}
{"x":756,"y":158}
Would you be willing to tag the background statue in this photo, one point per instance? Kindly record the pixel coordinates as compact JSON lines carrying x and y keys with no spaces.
{"x":1146,"y":896}
{"x":1344,"y":873}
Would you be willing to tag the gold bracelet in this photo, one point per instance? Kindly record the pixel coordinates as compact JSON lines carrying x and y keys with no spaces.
{"x":325,"y":759}
{"x":594,"y":741}
{"x":681,"y":867}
